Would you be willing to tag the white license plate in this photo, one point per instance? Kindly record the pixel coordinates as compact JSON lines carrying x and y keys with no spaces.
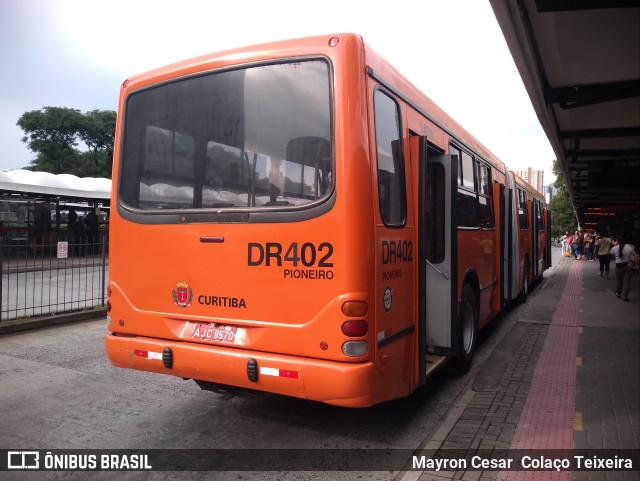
{"x":215,"y":333}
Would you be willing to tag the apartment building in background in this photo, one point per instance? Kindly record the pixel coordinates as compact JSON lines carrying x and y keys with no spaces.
{"x":533,"y":177}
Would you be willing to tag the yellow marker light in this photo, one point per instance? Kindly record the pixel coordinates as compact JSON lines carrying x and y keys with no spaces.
{"x":355,"y":308}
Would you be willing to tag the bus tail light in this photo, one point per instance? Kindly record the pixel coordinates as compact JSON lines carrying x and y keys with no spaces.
{"x":355,"y":328}
{"x":355,"y":308}
{"x":355,"y":348}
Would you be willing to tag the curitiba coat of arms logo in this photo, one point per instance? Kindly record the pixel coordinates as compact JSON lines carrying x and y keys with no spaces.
{"x":182,"y":294}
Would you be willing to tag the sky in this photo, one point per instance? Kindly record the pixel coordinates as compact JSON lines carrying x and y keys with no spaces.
{"x":77,"y":53}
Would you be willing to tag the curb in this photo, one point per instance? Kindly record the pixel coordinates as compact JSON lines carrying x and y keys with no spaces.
{"x":8,"y":327}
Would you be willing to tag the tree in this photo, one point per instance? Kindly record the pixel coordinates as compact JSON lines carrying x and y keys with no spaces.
{"x":564,"y":217}
{"x":98,"y":136}
{"x":54,"y":133}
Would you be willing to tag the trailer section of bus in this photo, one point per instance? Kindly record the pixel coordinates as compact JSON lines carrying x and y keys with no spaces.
{"x":533,"y":223}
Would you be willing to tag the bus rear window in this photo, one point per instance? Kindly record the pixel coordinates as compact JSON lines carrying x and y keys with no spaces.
{"x":248,"y":138}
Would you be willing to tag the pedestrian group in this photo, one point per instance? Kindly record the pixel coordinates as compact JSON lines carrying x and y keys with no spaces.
{"x":589,"y":245}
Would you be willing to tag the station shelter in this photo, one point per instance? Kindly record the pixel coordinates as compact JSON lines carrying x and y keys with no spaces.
{"x":37,"y":208}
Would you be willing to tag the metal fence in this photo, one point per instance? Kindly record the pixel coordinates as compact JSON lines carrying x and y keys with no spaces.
{"x":38,"y":280}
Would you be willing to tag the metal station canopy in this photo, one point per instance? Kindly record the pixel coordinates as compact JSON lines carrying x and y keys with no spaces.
{"x":580,"y":63}
{"x":15,"y":183}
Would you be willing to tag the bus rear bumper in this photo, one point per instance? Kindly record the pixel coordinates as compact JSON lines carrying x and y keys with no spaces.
{"x":341,"y":384}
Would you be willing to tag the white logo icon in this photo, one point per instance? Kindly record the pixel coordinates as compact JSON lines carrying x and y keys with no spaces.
{"x":23,"y":460}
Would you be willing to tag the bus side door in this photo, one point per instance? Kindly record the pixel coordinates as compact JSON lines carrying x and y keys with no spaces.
{"x":437,"y":239}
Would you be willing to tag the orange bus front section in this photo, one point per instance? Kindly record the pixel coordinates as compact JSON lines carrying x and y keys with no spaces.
{"x":274,"y":296}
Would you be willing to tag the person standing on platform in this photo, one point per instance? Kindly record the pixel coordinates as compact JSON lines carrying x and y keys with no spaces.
{"x":92,"y":226}
{"x":79,"y":238}
{"x":603,"y":246}
{"x":588,"y":245}
{"x":578,"y":240}
{"x":563,"y":241}
{"x":621,"y":253}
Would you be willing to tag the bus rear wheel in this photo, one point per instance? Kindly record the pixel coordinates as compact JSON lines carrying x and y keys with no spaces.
{"x":468,"y":322}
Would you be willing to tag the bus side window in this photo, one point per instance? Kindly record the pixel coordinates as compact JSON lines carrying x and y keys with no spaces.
{"x":539,"y":217}
{"x":522,"y":209}
{"x":391,"y":183}
{"x":435,"y":213}
{"x":455,"y":151}
{"x":467,"y":208}
{"x":468,"y":215}
{"x":467,"y":171}
{"x":485,"y":196}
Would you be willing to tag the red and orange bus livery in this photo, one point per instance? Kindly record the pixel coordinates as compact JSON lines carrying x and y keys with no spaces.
{"x":298,"y":218}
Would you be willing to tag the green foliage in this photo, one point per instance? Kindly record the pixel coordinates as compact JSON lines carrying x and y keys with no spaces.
{"x":560,"y":183}
{"x":54,"y":133}
{"x":564,"y":218}
{"x":561,"y":207}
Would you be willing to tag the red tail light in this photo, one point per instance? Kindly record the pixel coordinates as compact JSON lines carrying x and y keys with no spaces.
{"x":355,"y":328}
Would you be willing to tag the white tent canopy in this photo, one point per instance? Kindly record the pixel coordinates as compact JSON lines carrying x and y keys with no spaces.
{"x":60,"y":185}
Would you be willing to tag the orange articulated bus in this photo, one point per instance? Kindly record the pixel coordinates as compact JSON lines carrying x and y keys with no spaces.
{"x":534,"y":223}
{"x":298,"y":218}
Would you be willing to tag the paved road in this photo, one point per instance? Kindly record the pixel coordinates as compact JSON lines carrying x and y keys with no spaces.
{"x":58,"y":391}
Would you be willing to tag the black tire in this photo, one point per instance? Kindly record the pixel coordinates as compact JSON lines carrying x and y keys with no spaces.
{"x":468,"y":322}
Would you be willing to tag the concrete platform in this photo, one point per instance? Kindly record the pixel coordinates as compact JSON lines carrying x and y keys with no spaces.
{"x":565,"y":381}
